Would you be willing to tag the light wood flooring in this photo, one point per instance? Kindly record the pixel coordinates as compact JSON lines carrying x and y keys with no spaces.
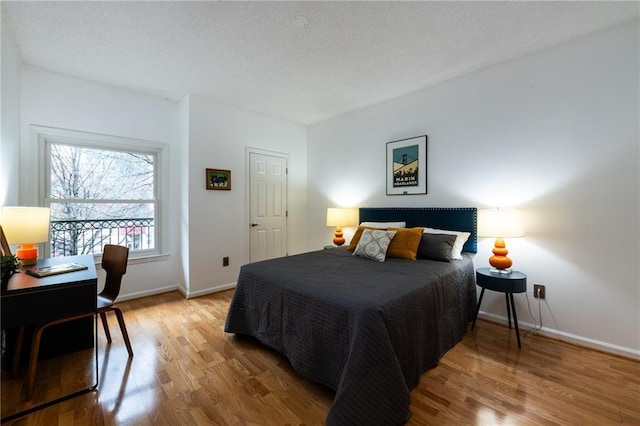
{"x":187,"y":371}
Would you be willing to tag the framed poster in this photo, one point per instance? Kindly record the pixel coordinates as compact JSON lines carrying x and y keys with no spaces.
{"x":407,"y":166}
{"x":218,"y":179}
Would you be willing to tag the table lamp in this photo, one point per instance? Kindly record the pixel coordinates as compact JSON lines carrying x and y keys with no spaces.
{"x":340,"y":217}
{"x":26,"y":226}
{"x":500,"y":224}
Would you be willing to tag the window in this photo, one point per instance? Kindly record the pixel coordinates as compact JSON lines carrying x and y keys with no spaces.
{"x":101,"y":193}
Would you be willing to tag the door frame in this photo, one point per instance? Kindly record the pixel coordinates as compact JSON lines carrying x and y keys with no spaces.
{"x":247,"y":197}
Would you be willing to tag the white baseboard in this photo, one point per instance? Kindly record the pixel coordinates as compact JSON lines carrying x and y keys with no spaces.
{"x":190,"y":295}
{"x":567,"y":337}
{"x":137,"y":295}
{"x":182,"y":290}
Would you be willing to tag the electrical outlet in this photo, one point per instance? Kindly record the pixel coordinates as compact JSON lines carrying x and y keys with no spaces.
{"x":539,"y":291}
{"x":225,"y":261}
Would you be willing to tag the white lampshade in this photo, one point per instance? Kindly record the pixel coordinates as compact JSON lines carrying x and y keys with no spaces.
{"x":342,"y":217}
{"x":25,"y":225}
{"x":499,"y":223}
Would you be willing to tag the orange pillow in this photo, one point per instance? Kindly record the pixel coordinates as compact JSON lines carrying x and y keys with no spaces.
{"x":356,"y":237}
{"x":405,"y":243}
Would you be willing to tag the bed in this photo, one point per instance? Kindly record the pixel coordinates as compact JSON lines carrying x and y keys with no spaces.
{"x":366,"y":329}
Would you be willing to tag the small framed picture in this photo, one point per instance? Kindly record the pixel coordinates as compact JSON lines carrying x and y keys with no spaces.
{"x":218,"y":179}
{"x":407,"y":166}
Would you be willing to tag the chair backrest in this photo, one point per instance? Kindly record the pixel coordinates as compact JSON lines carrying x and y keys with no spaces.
{"x":114,"y":262}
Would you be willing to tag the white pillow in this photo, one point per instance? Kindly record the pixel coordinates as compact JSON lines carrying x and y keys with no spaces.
{"x":461,"y":238}
{"x":384,"y":225}
{"x":374,"y":243}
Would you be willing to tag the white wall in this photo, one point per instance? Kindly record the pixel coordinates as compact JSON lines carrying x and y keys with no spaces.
{"x":203,"y":226}
{"x":184,"y":195}
{"x":218,"y":225}
{"x":555,"y":133}
{"x":10,"y":119}
{"x":55,"y":100}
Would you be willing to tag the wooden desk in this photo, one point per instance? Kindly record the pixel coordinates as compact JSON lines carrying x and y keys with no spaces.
{"x":30,"y":301}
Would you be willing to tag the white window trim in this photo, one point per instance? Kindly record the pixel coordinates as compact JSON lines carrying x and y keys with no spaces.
{"x":41,"y":134}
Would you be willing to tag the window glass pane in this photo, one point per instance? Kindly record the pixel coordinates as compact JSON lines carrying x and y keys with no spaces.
{"x":100,"y":211}
{"x":88,"y":173}
{"x":84,"y":228}
{"x":100,"y":195}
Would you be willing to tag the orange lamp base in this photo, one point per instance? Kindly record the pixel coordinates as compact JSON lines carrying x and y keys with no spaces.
{"x":27,"y":254}
{"x":338,"y":239}
{"x":499,"y":260}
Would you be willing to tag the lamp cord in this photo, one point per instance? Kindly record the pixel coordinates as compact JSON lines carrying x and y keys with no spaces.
{"x":536,"y":326}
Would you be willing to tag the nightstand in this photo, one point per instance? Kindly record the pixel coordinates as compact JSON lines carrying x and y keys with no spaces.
{"x":515,"y":282}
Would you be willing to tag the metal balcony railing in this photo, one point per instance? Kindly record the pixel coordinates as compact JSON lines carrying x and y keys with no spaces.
{"x":76,"y":237}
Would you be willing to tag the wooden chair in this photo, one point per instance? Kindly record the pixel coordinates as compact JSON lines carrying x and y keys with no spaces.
{"x":114,"y":262}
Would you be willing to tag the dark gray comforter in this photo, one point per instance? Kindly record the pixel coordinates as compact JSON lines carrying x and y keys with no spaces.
{"x":366,"y":329}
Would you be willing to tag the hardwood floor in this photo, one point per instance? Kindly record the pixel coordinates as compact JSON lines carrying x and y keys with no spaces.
{"x":187,"y":371}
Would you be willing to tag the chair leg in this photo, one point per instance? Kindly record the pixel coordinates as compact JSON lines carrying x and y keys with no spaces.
{"x":123,"y":329}
{"x":35,"y":349}
{"x":33,"y":361}
{"x":15,"y":362}
{"x":105,"y":325}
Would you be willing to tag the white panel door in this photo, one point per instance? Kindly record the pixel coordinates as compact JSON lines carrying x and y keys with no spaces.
{"x":267,"y":206}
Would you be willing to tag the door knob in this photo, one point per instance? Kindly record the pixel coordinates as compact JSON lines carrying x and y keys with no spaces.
{"x":254,"y":224}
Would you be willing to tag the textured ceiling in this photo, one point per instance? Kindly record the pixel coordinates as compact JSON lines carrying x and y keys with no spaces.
{"x":252,"y":55}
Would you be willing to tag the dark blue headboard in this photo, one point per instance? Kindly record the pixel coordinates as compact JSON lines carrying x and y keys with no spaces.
{"x":451,"y":218}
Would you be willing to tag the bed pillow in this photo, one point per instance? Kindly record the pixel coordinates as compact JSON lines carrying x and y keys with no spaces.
{"x":356,"y":237}
{"x":384,"y":225}
{"x":372,"y":225}
{"x":374,"y":243}
{"x":436,"y":246}
{"x":405,"y":244}
{"x":461,"y":238}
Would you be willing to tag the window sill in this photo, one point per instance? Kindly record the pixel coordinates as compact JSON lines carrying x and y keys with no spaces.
{"x":139,"y":259}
